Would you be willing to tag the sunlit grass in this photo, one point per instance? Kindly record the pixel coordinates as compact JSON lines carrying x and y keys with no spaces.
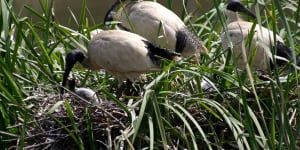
{"x":173,"y":111}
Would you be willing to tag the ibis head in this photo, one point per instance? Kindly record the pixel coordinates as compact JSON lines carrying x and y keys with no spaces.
{"x":237,"y":6}
{"x":72,"y":57}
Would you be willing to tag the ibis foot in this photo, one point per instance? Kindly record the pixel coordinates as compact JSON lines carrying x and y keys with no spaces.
{"x":127,"y":89}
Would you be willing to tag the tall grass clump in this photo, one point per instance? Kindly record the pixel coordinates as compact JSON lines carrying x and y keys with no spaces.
{"x":30,"y":64}
{"x":272,"y":100}
{"x":209,"y":105}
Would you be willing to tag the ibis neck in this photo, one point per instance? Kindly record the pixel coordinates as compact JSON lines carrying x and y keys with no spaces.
{"x":232,"y":16}
{"x":86,"y":63}
{"x":92,"y":65}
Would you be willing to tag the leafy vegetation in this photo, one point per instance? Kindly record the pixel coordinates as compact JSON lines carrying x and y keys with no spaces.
{"x":173,"y":111}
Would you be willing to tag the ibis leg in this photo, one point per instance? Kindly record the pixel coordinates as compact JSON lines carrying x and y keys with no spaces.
{"x":127,"y":89}
{"x":120,"y":90}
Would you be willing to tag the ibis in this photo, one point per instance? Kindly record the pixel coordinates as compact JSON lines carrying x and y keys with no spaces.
{"x":260,"y":46}
{"x":157,"y":24}
{"x":123,"y":54}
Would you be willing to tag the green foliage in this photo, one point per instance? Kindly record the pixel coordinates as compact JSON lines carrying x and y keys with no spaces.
{"x":239,"y":111}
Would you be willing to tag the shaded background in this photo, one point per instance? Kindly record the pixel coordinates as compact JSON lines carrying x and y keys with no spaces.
{"x":98,"y":9}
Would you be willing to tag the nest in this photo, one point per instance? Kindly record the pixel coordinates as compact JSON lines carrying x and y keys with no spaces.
{"x":50,"y":131}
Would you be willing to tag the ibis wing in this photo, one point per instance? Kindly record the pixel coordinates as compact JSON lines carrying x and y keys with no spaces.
{"x":120,"y":51}
{"x":152,"y":21}
{"x":261,"y":41}
{"x":261,"y":34}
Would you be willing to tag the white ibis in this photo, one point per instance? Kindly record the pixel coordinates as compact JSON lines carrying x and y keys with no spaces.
{"x":157,"y":24}
{"x":123,"y":54}
{"x":262,"y":40}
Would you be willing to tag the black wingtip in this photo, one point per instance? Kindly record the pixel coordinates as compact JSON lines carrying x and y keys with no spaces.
{"x":155,"y":51}
{"x":70,"y":60}
{"x":283,"y":51}
{"x":298,"y":61}
{"x":237,"y":6}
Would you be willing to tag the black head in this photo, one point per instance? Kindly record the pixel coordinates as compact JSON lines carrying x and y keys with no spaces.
{"x":237,"y":6}
{"x":109,"y":16}
{"x":71,"y":59}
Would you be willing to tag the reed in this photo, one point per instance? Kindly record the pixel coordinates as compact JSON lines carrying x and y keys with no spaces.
{"x":172,"y":110}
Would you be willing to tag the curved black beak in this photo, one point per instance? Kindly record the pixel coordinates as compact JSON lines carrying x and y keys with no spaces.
{"x":248,"y":12}
{"x":71,"y":59}
{"x":72,"y":84}
{"x":237,"y":6}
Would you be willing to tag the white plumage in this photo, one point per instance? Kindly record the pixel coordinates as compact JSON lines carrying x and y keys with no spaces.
{"x":159,"y":25}
{"x":123,"y":54}
{"x":262,"y":40}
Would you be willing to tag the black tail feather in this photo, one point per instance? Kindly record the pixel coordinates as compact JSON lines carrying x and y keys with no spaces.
{"x":285,"y":52}
{"x":298,"y":60}
{"x":282,"y":51}
{"x":155,"y":51}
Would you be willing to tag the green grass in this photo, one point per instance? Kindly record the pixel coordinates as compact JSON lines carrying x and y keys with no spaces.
{"x":239,"y":112}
